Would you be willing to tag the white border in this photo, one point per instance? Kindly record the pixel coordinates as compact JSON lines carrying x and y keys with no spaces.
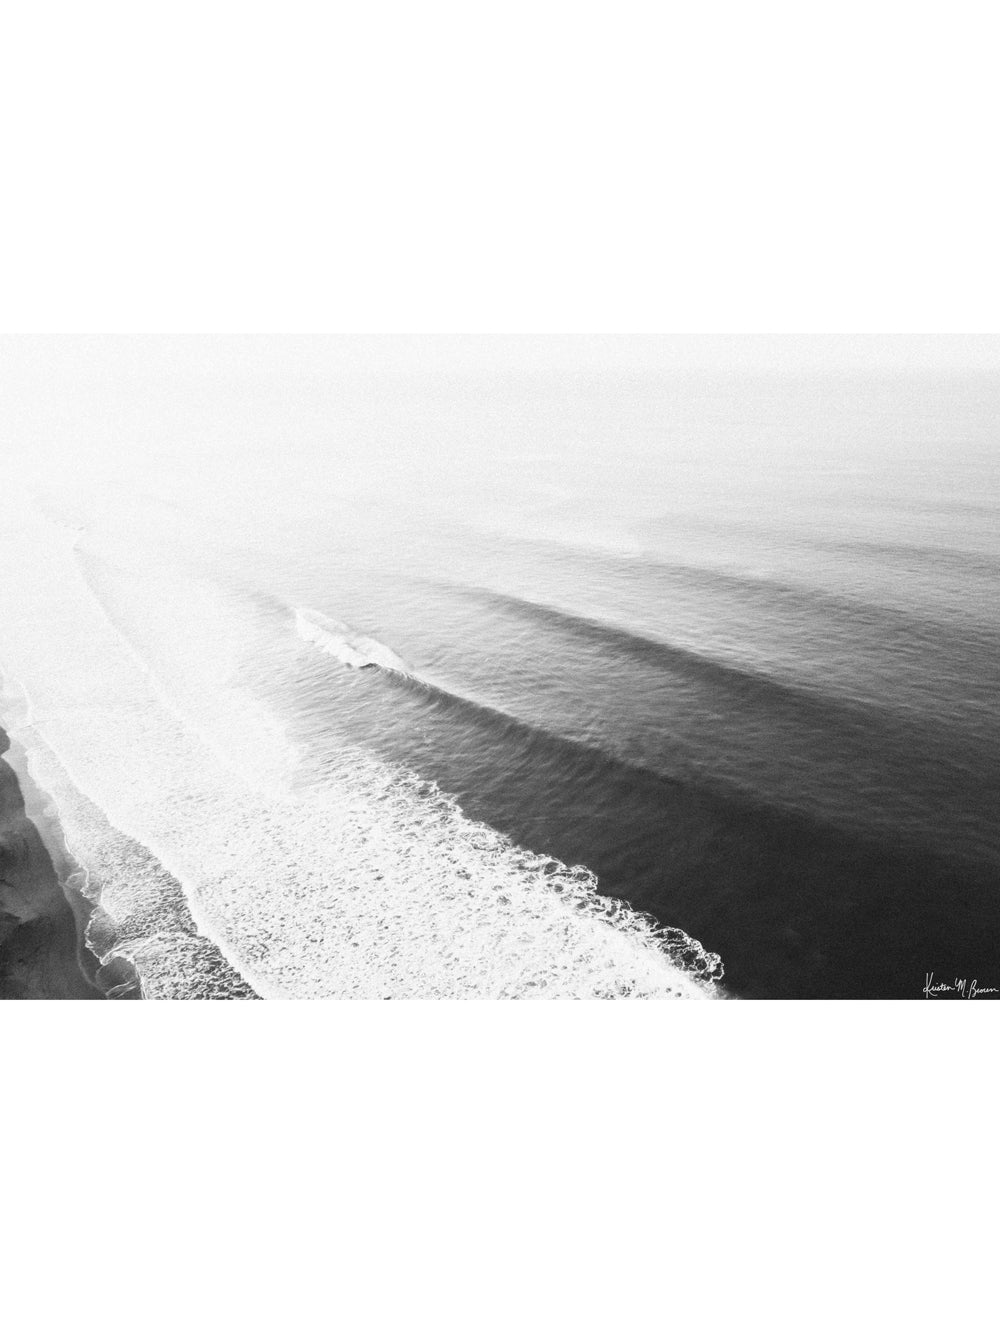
{"x":648,"y":167}
{"x":534,"y":1167}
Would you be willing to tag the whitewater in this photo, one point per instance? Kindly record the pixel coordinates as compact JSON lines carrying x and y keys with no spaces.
{"x":218,"y":862}
{"x":346,"y":644}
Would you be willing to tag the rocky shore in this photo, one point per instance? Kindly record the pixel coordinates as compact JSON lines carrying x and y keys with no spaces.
{"x":41,"y":952}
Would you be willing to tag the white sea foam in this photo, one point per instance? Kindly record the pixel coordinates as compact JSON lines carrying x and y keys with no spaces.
{"x":347,"y":645}
{"x":176,"y":792}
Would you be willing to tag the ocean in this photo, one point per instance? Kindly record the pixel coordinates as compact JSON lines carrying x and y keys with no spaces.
{"x":354,"y":680}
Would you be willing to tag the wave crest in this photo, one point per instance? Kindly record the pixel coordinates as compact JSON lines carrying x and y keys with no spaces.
{"x":344,"y":643}
{"x":365,"y":882}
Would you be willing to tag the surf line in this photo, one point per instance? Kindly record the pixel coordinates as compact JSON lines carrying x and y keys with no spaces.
{"x":347,"y":645}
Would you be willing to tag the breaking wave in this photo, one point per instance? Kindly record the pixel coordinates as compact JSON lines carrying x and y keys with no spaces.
{"x":216,"y":876}
{"x":347,"y":645}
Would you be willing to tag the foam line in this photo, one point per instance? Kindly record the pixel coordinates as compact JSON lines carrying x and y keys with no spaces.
{"x":367,"y":884}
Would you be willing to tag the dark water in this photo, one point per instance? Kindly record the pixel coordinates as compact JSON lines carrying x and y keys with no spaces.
{"x":757,"y":695}
{"x":731,"y":645}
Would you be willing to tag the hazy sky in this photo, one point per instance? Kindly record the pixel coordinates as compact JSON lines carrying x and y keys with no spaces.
{"x":790,"y":353}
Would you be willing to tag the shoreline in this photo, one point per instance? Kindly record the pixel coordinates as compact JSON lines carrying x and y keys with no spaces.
{"x":43,"y":955}
{"x":73,"y":928}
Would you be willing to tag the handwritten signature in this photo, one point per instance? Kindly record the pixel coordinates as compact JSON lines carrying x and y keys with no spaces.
{"x":960,"y":987}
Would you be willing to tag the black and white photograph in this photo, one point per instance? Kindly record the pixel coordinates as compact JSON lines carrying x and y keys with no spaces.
{"x":499,"y":505}
{"x":501,"y":668}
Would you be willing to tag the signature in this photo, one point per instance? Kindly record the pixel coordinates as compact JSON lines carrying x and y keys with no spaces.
{"x":961,"y":988}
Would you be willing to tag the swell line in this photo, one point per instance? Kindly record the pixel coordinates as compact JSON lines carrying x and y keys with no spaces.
{"x":531,"y":748}
{"x":369,"y":831}
{"x":755,"y":687}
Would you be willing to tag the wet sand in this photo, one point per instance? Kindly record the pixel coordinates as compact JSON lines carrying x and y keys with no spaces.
{"x":41,"y":956}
